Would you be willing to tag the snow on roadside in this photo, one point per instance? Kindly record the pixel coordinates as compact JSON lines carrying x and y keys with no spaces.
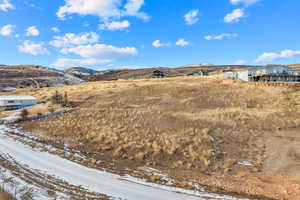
{"x":21,"y":190}
{"x":94,"y":180}
{"x":16,"y":115}
{"x":245,"y":163}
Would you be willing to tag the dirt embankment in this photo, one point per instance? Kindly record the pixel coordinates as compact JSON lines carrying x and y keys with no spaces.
{"x":177,"y":125}
{"x":4,"y":195}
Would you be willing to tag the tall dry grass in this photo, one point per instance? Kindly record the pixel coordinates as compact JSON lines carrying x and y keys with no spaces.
{"x":171,"y":122}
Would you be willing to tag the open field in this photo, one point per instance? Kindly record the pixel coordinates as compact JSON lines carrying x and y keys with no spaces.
{"x":188,"y":127}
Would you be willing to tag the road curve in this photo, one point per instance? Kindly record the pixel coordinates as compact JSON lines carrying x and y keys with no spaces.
{"x":94,"y":180}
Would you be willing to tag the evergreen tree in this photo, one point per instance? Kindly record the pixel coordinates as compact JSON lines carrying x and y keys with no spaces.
{"x":57,"y":98}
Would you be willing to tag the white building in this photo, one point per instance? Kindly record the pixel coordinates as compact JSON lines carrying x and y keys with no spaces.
{"x":268,"y":74}
{"x":11,"y":102}
{"x":230,"y":75}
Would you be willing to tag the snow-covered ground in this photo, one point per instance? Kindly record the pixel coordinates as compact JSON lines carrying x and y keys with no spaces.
{"x":94,"y":180}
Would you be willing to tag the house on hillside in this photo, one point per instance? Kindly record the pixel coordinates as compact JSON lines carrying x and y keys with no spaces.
{"x":15,"y":102}
{"x":159,"y":74}
{"x":202,"y":72}
{"x":268,"y":74}
{"x":229,"y":74}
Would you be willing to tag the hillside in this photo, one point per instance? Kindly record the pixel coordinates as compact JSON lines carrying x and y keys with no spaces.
{"x":80,"y":71}
{"x":24,"y":76}
{"x":295,"y":67}
{"x":148,"y":72}
{"x":193,"y":128}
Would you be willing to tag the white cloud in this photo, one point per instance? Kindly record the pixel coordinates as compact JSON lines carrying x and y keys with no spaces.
{"x":7,"y":30}
{"x":234,"y":16}
{"x":100,"y":51}
{"x":158,"y":43}
{"x":267,"y":57}
{"x":5,"y":5}
{"x":68,"y":62}
{"x":104,"y":9}
{"x":191,"y":17}
{"x":55,"y":29}
{"x":115,"y":25}
{"x":132,"y":67}
{"x":245,"y":2}
{"x":32,"y":31}
{"x":182,"y":42}
{"x":221,"y":36}
{"x":71,"y":39}
{"x":132,"y":8}
{"x":240,"y":62}
{"x":33,"y":48}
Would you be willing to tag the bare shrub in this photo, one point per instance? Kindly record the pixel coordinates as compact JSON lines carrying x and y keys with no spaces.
{"x":24,"y":114}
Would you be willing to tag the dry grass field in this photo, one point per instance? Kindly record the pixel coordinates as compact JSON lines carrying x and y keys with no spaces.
{"x":4,"y":195}
{"x":197,"y":124}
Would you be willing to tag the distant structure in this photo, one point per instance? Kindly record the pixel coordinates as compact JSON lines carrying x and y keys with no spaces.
{"x":159,"y":74}
{"x":15,"y":102}
{"x":265,"y":74}
{"x":230,"y":74}
{"x":202,"y":72}
{"x":8,"y":89}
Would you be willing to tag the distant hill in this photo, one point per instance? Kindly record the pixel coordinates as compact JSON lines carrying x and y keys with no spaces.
{"x":185,"y":70}
{"x":24,"y":76}
{"x":80,"y":71}
{"x":295,"y":67}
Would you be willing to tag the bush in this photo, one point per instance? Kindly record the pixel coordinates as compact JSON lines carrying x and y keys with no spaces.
{"x":51,"y":109}
{"x":65,"y":101}
{"x":57,"y":98}
{"x":24,"y":114}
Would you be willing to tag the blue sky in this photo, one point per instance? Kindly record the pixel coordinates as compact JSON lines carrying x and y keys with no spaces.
{"x":110,"y":34}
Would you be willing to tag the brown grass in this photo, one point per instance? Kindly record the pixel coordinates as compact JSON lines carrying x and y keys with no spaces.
{"x":4,"y":195}
{"x":170,"y":123}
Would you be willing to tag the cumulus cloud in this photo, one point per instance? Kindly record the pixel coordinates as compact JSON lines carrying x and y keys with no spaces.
{"x":114,"y":25}
{"x":5,"y":5}
{"x":267,"y":57}
{"x":7,"y":30}
{"x":33,"y":48}
{"x":240,"y":62}
{"x":132,"y":8}
{"x":245,"y":2}
{"x":104,"y":9}
{"x":191,"y":17}
{"x":100,"y":51}
{"x":182,"y":42}
{"x":71,"y":39}
{"x":221,"y":36}
{"x":158,"y":43}
{"x":55,"y":29}
{"x":32,"y":31}
{"x":234,"y":16}
{"x":69,"y":62}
